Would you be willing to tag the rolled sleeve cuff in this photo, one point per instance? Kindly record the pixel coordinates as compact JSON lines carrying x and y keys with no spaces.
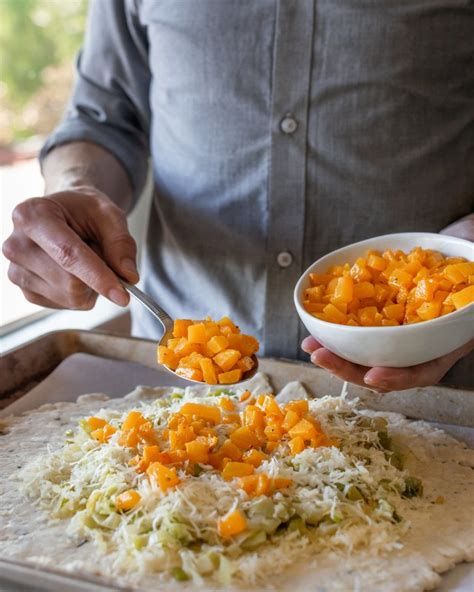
{"x":131,"y":154}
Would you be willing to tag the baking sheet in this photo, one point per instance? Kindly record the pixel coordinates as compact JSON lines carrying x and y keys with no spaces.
{"x":83,"y":373}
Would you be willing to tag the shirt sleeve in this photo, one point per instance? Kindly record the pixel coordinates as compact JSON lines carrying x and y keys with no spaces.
{"x":109,"y":104}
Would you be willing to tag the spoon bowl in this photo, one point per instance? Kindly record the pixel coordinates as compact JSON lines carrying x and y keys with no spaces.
{"x":167,"y":323}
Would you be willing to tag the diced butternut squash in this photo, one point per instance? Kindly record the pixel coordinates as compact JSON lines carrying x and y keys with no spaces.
{"x":237,"y":469}
{"x":127,"y":500}
{"x":198,"y":452}
{"x":290,"y":420}
{"x":303,"y":428}
{"x":207,"y":412}
{"x":103,"y":434}
{"x":128,"y":439}
{"x":167,"y":357}
{"x":232,"y":524}
{"x":296,"y":445}
{"x":344,"y":290}
{"x":217,"y":344}
{"x":230,"y":377}
{"x":180,"y":327}
{"x":95,"y":423}
{"x":165,"y":477}
{"x":208,"y":373}
{"x":190,"y":374}
{"x":197,"y":333}
{"x":463,"y":298}
{"x":300,"y":406}
{"x":227,"y":358}
{"x":254,"y":417}
{"x":389,"y":288}
{"x":226,"y":404}
{"x":230,"y":450}
{"x":133,"y":420}
{"x":254,"y":457}
{"x":244,"y":438}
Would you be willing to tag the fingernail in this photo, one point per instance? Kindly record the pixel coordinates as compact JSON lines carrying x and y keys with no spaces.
{"x":128,"y":265}
{"x":118,"y":296}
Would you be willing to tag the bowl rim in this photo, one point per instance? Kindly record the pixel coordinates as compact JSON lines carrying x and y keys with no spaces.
{"x":303,"y":313}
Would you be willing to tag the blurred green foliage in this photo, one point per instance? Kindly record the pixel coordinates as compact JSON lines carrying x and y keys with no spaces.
{"x":35,"y":35}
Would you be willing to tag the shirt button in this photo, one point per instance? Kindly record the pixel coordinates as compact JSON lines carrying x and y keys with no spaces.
{"x":288,"y":124}
{"x":284,"y":259}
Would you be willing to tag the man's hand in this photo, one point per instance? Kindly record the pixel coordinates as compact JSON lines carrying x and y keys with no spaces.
{"x":67,"y":247}
{"x":384,"y":379}
{"x":394,"y":379}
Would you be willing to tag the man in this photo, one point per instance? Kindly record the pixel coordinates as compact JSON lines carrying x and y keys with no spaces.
{"x":279,"y":130}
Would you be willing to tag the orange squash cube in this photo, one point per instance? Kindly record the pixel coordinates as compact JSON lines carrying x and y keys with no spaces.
{"x":191,"y":361}
{"x":190,"y":373}
{"x":164,"y":477}
{"x":207,"y":412}
{"x":217,"y":344}
{"x":226,"y":322}
{"x":230,"y":450}
{"x":364,"y":290}
{"x":254,"y":417}
{"x":230,"y":377}
{"x":303,"y":428}
{"x":367,"y":316}
{"x":237,"y":469}
{"x":334,"y":315}
{"x":463,"y":298}
{"x":103,"y":434}
{"x":274,"y":432}
{"x":254,"y":457}
{"x":128,"y":439}
{"x":300,"y":406}
{"x":95,"y":423}
{"x":226,"y":404}
{"x":296,"y":445}
{"x":197,"y":333}
{"x":395,"y":312}
{"x":344,"y":290}
{"x":151,"y":454}
{"x":167,"y":357}
{"x":198,"y":452}
{"x":227,"y":359}
{"x":244,"y":438}
{"x":249,"y":345}
{"x":245,"y":364}
{"x":127,"y":500}
{"x":180,"y":327}
{"x":429,"y":310}
{"x":290,"y":420}
{"x":133,"y":420}
{"x":232,"y":524}
{"x":208,"y":373}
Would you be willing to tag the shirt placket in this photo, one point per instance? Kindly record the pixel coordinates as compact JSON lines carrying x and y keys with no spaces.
{"x":287,"y":172}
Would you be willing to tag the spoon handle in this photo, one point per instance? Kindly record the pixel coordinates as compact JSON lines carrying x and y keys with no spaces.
{"x":151,"y":305}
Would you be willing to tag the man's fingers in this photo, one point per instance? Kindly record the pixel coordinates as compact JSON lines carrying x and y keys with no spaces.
{"x":117,"y":245}
{"x":345,"y":370}
{"x":72,"y":254}
{"x":309,"y":345}
{"x":71,"y":293}
{"x":40,"y":300}
{"x":426,"y":374}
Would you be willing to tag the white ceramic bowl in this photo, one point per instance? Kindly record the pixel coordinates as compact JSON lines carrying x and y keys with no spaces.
{"x":397,"y":347}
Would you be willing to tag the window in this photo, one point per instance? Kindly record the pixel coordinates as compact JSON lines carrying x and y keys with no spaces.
{"x":38,"y":43}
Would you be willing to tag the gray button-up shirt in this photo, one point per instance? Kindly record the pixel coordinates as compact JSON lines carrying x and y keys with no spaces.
{"x":279,"y":130}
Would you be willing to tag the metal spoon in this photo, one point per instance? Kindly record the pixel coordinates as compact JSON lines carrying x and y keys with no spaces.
{"x":167,"y":324}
